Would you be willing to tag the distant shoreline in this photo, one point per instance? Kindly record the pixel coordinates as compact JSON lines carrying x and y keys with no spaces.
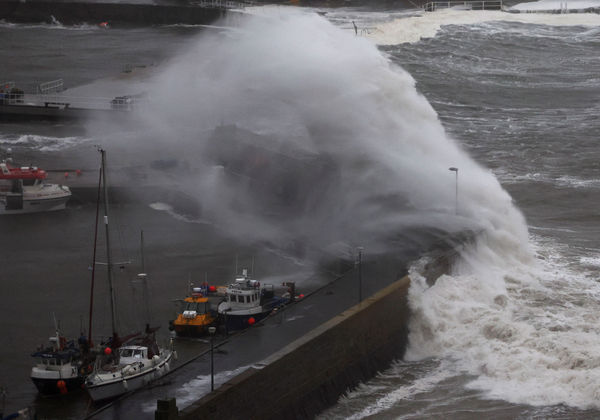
{"x":115,"y":14}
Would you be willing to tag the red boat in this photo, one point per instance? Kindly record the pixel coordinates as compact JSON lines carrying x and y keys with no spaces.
{"x":23,"y":190}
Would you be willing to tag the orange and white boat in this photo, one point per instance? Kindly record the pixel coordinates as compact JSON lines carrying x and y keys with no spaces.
{"x":196,"y":314}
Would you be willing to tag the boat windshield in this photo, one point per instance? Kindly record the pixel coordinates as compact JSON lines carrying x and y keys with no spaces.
{"x":137,"y":353}
{"x":199,"y":307}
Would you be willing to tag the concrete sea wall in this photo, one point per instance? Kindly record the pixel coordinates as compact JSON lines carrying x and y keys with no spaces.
{"x":70,"y":13}
{"x":310,"y":374}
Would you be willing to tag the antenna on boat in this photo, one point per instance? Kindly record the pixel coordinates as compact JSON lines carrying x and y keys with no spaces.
{"x":236,"y":264}
{"x":94,"y":255}
{"x":108,"y":260}
{"x":252,"y":267}
{"x":143,"y":277}
{"x":142,"y":250}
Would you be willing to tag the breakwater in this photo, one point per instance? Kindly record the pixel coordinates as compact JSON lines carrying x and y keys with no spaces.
{"x":116,"y":14}
{"x":310,"y":374}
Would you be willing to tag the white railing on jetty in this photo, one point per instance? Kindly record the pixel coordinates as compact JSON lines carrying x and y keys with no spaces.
{"x":122,"y":103}
{"x":51,"y":87}
{"x":464,"y":5}
{"x":222,"y":4}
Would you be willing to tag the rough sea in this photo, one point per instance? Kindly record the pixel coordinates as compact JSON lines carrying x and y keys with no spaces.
{"x":510,"y":100}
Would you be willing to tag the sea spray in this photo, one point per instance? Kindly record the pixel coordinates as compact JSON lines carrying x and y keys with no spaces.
{"x":289,"y":127}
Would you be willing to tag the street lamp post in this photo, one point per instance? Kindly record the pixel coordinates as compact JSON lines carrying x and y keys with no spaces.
{"x":455,"y":170}
{"x":211,"y":331}
{"x":359,"y":263}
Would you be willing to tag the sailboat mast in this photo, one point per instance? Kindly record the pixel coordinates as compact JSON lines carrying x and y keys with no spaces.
{"x":142,"y":250}
{"x":108,"y":260}
{"x":144,"y":279}
{"x":94,"y":257}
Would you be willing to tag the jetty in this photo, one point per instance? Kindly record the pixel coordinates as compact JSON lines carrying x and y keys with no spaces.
{"x":464,"y":5}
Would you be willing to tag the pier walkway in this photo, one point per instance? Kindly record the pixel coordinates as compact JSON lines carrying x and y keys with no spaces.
{"x":464,"y":5}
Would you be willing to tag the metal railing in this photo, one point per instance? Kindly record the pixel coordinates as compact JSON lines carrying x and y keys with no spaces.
{"x":123,"y":103}
{"x":464,"y":5}
{"x":222,"y":4}
{"x":51,"y":87}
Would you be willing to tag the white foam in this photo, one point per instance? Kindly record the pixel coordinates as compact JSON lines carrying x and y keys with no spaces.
{"x":42,"y":143}
{"x":427,"y":25}
{"x":381,"y":398}
{"x":527,"y":330}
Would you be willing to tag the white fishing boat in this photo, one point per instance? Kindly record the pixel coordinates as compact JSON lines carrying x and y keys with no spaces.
{"x":23,"y":190}
{"x":247,"y":302}
{"x":129,"y":364}
{"x":62,"y":366}
{"x":138,"y":362}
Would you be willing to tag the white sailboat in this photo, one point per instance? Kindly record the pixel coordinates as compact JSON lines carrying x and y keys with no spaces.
{"x":132,"y":363}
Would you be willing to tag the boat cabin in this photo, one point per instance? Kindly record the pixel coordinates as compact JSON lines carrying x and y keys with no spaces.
{"x":193,"y":306}
{"x":247,"y":293}
{"x":132,"y":354}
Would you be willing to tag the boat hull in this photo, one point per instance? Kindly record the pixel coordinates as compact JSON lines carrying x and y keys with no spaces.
{"x":234,"y":322}
{"x":121,"y":385}
{"x":190,"y":330}
{"x":47,"y":386}
{"x":35,"y":205}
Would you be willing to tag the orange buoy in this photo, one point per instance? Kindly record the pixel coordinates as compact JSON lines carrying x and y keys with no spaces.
{"x":251,"y":321}
{"x":107,"y":351}
{"x":62,"y":386}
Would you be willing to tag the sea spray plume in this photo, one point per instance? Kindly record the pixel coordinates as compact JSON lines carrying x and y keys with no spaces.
{"x":291,"y":87}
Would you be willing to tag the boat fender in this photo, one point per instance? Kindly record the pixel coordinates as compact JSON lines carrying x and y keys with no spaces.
{"x":174,"y":355}
{"x":62,"y":386}
{"x":125,"y":385}
{"x":155,"y":359}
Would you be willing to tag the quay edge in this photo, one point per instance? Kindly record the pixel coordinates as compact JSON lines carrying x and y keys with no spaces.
{"x":309,"y":375}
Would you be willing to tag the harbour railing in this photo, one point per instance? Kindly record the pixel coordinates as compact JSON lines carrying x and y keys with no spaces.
{"x":222,"y":4}
{"x":464,"y":5}
{"x":51,"y":87}
{"x":49,"y":100}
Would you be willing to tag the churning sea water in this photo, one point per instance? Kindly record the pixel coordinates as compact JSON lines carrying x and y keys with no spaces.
{"x":498,"y":338}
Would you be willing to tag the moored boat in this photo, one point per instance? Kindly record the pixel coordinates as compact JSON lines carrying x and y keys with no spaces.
{"x":132,"y":362}
{"x":196,"y":314}
{"x":138,"y":362}
{"x":62,"y":366}
{"x":23,"y":190}
{"x":247,"y":302}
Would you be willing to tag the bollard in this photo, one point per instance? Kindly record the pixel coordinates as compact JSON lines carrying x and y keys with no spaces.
{"x":166,"y":409}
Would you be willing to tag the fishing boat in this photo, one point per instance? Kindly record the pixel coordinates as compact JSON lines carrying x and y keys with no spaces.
{"x":23,"y":190}
{"x":128,"y":363}
{"x":247,"y":302}
{"x":62,"y":366}
{"x":196,"y":314}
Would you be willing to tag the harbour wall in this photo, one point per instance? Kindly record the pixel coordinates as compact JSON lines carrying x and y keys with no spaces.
{"x":116,"y":14}
{"x":310,"y":374}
